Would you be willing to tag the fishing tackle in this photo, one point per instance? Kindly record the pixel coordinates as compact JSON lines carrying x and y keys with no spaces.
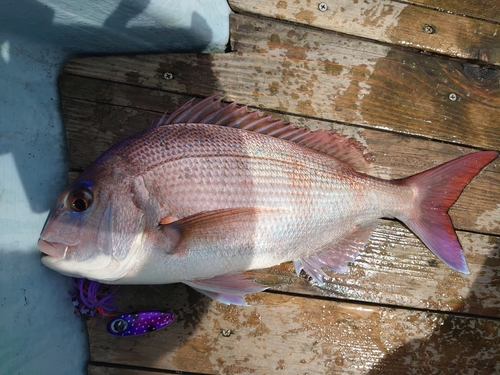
{"x":88,"y":300}
{"x":139,"y":323}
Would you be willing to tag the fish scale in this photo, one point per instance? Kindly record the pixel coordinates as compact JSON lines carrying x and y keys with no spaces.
{"x":266,"y":173}
{"x":262,"y":189}
{"x":200,"y":203}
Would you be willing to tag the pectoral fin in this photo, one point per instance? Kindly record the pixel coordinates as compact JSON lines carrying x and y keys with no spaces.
{"x":336,"y":256}
{"x":168,"y":220}
{"x":228,"y":289}
{"x":229,"y":216}
{"x":227,"y":230}
{"x":234,"y":227}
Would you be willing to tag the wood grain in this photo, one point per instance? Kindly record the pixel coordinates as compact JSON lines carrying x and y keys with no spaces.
{"x":368,"y":84}
{"x":106,"y":369}
{"x":388,"y":21}
{"x":397,"y":269}
{"x":381,"y":88}
{"x":295,"y":335}
{"x":483,"y":9}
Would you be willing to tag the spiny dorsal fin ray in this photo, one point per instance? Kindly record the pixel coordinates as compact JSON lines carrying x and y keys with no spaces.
{"x":212,"y":111}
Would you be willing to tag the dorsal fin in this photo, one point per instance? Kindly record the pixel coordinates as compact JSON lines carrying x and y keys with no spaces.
{"x":213,"y":111}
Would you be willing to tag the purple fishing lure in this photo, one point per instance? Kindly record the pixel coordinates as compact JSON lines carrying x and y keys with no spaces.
{"x":91,"y":300}
{"x":135,"y":324}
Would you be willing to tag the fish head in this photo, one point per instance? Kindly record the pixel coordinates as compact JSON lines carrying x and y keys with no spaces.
{"x":93,"y":231}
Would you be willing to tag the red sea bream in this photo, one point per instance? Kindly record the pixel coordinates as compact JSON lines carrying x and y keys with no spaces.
{"x":215,"y":190}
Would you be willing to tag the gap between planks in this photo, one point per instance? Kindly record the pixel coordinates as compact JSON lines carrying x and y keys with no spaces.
{"x":294,"y":334}
{"x":96,"y":368}
{"x":392,"y":22}
{"x":312,"y":73}
{"x":488,"y":10}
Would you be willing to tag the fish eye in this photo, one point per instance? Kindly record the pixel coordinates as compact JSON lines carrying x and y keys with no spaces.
{"x":118,"y":326}
{"x":80,"y":199}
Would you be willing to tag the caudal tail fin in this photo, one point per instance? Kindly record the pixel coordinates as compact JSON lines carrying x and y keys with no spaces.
{"x":438,"y":188}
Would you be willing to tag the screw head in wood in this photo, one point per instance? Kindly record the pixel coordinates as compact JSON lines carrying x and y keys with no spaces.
{"x":322,"y":7}
{"x":452,"y":96}
{"x":429,"y":29}
{"x":168,"y":75}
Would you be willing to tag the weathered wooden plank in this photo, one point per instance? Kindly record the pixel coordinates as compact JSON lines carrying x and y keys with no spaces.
{"x":397,"y":269}
{"x":108,"y":92}
{"x":101,"y":125}
{"x":484,"y":9}
{"x":103,"y":369}
{"x":291,"y":335}
{"x":391,"y":89}
{"x":98,"y":127}
{"x":390,"y":22}
{"x":367,"y":84}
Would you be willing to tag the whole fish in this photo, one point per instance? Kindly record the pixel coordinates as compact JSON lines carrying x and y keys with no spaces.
{"x":139,"y":323}
{"x":215,"y":190}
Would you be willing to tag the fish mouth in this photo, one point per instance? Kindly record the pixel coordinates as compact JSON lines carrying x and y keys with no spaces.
{"x":52,"y":249}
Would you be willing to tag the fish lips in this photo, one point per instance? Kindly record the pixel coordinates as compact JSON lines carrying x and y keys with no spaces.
{"x":53,"y":249}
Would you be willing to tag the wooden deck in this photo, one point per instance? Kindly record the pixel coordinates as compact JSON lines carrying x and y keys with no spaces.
{"x":417,"y":86}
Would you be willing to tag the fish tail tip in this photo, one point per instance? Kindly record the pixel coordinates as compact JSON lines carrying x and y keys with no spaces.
{"x":437,"y":190}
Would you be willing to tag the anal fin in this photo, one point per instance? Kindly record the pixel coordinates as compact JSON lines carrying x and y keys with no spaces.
{"x":229,"y":289}
{"x":336,"y":256}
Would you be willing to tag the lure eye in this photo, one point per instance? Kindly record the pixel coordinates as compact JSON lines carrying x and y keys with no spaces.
{"x":118,"y":326}
{"x":80,"y":199}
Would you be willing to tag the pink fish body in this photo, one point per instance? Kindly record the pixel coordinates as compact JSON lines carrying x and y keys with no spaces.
{"x":215,"y":190}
